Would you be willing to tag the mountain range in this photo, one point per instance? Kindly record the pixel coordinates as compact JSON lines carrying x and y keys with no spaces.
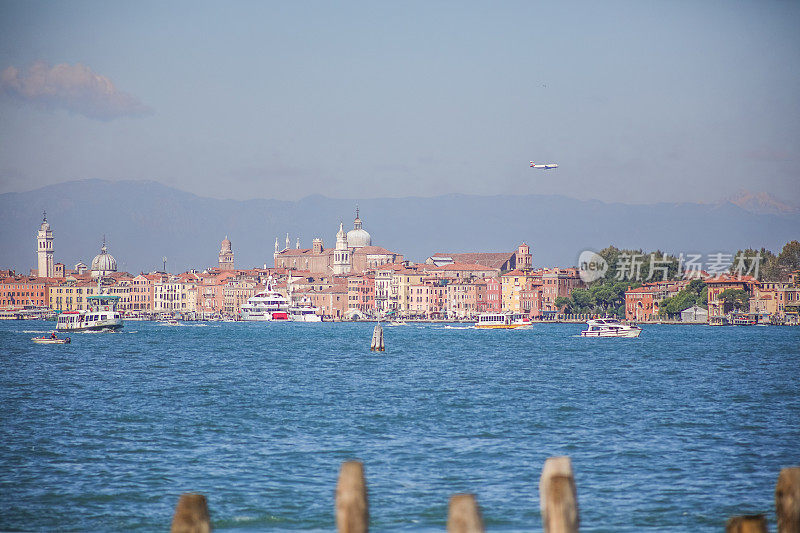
{"x":143,"y":221}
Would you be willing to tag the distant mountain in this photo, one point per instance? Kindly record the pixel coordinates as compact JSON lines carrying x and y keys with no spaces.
{"x":145,"y":220}
{"x":762,"y":203}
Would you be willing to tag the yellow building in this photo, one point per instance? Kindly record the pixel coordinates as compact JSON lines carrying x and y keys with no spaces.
{"x":71,"y":294}
{"x":511,"y":286}
{"x":402,"y":281}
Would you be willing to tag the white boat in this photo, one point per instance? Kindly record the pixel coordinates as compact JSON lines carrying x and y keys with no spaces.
{"x":101,"y":315}
{"x":266,"y":306}
{"x":304,"y":313}
{"x":503,"y":321}
{"x":50,"y":340}
{"x":610,"y":327}
{"x":398,"y":323}
{"x":170,"y":322}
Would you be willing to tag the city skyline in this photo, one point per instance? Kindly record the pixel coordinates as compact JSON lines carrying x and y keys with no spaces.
{"x":663,"y":102}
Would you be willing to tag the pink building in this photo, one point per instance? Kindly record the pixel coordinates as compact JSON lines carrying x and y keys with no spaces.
{"x":494,"y":295}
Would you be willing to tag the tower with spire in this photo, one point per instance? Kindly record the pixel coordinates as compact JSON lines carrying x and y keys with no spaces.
{"x":341,"y":255}
{"x":226,"y":255}
{"x":45,"y":252}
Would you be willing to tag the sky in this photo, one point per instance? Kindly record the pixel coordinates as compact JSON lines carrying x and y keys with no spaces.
{"x":637,"y":102}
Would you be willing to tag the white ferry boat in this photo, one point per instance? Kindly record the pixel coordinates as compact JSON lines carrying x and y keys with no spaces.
{"x":304,"y":313}
{"x":266,"y":306}
{"x":101,"y":315}
{"x":503,"y":321}
{"x":610,"y":327}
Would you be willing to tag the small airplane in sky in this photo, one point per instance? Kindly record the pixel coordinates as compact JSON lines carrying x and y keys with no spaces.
{"x":548,"y":166}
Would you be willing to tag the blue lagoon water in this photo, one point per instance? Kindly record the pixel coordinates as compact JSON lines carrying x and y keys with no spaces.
{"x":674,"y":431}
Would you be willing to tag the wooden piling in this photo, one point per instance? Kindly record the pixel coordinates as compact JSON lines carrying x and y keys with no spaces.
{"x":377,"y":343}
{"x":191,"y":515}
{"x":756,"y":523}
{"x":352,"y":507}
{"x":558,"y":500}
{"x":787,"y":500}
{"x":464,"y":515}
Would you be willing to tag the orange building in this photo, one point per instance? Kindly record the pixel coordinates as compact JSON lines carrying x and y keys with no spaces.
{"x":17,"y":292}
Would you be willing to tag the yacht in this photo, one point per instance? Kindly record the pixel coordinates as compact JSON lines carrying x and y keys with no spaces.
{"x":101,"y":315}
{"x":266,"y":306}
{"x":503,"y":321}
{"x":304,"y":313}
{"x":610,"y":327}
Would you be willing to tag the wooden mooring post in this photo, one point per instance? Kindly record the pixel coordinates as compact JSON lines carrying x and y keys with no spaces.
{"x":352,"y":506}
{"x":756,"y":523}
{"x":557,"y":496}
{"x":464,"y":515}
{"x":787,"y":500}
{"x":558,"y":499}
{"x":191,"y":515}
{"x":377,"y":343}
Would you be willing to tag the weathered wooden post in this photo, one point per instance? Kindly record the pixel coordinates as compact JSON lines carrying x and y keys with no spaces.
{"x":191,"y":515}
{"x":787,"y":500}
{"x":558,"y":500}
{"x":377,"y":339}
{"x":352,"y":508}
{"x":464,"y":515}
{"x":756,"y":523}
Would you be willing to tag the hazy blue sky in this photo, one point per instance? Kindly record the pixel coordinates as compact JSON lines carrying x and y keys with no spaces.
{"x":637,"y":101}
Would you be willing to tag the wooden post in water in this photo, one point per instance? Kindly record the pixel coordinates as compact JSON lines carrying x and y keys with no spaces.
{"x":756,"y":523}
{"x":787,"y":500}
{"x":464,"y":515}
{"x":558,"y":500}
{"x":191,"y":515}
{"x":377,"y":339}
{"x":352,"y":508}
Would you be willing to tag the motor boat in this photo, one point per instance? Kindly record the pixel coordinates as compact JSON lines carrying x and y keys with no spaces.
{"x":610,"y":327}
{"x":51,"y":340}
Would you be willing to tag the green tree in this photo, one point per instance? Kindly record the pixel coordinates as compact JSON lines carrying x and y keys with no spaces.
{"x":735,"y":298}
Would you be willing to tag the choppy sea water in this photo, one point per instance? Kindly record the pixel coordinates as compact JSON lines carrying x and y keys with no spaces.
{"x":674,"y":431}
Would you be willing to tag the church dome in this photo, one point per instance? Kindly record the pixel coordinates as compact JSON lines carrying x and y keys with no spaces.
{"x":226,"y":245}
{"x":358,"y":237}
{"x":103,"y":263}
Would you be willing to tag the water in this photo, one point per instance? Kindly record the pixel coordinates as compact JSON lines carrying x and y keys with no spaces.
{"x":674,"y":431}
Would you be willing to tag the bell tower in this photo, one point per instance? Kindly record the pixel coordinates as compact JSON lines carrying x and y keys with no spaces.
{"x":45,"y":250}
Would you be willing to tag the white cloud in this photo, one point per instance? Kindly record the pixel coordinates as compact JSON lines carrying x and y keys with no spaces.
{"x":75,"y":88}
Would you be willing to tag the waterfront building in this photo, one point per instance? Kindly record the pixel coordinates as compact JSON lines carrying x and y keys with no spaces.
{"x":716,"y":307}
{"x":80,"y":268}
{"x":502,"y":261}
{"x":642,"y":304}
{"x":17,"y":292}
{"x":512,"y":285}
{"x":385,"y":290}
{"x":694,"y":315}
{"x":361,"y":293}
{"x":226,"y":255}
{"x":556,"y":283}
{"x":45,"y":251}
{"x":236,"y":291}
{"x":460,"y":271}
{"x":71,"y":294}
{"x":778,"y":300}
{"x":494,"y":294}
{"x":462,"y":298}
{"x":141,"y":294}
{"x":331,"y":302}
{"x":403,"y":280}
{"x":353,"y":253}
